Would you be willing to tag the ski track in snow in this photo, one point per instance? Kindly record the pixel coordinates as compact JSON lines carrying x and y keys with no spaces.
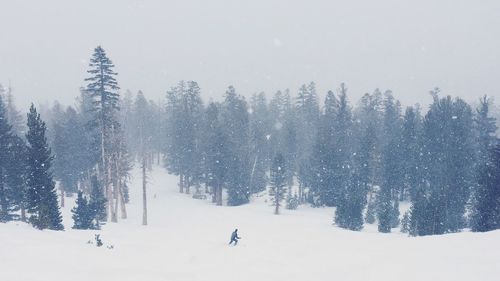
{"x":187,"y":239}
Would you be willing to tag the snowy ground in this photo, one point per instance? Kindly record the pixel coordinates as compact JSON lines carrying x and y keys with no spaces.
{"x":186,"y":239}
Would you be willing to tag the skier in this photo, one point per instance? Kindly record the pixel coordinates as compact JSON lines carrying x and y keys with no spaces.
{"x":234,"y":237}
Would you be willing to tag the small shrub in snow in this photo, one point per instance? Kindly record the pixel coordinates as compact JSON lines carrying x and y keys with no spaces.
{"x":98,"y":240}
{"x":292,"y":202}
{"x":405,"y":223}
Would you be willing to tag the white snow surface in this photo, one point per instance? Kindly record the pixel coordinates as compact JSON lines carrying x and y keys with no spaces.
{"x":187,"y":239}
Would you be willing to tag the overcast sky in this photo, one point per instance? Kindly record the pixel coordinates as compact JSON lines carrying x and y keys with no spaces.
{"x":409,"y":47}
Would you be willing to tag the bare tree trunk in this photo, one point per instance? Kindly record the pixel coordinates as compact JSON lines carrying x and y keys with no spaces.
{"x":301,"y":193}
{"x":117,"y":202}
{"x":122,"y":202}
{"x":111,"y":198}
{"x":116,"y":191}
{"x":181,"y":183}
{"x":62,"y":197}
{"x":214,"y":194}
{"x":187,"y":184}
{"x":23,"y":214}
{"x":104,"y":171}
{"x":120,"y":198}
{"x":144,"y":199}
{"x":219,"y":194}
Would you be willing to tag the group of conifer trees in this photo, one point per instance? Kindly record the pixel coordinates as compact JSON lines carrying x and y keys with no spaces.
{"x":363,"y":160}
{"x":27,"y":189}
{"x":83,"y":150}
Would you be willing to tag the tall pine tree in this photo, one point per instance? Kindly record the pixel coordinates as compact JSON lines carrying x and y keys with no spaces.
{"x":41,"y":193}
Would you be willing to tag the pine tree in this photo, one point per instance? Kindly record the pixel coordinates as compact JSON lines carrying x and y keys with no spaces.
{"x":172,"y":146}
{"x":16,"y":177}
{"x":215,"y":152}
{"x":97,"y":203}
{"x":234,"y":116}
{"x":14,"y":117}
{"x":439,"y":206}
{"x":260,"y":142}
{"x":5,"y":161}
{"x":486,"y":213}
{"x":184,"y":109}
{"x":371,"y":211}
{"x":90,"y":138}
{"x":141,"y":111}
{"x":82,"y":214}
{"x":388,"y":199}
{"x":308,"y":113}
{"x":292,"y":201}
{"x":410,"y":139}
{"x":351,"y":192}
{"x":192,"y":113}
{"x":323,"y":158}
{"x":365,"y":164}
{"x":41,"y":193}
{"x":103,"y":89}
{"x":485,"y":127}
{"x":405,"y":223}
{"x":277,"y":189}
{"x":69,"y":148}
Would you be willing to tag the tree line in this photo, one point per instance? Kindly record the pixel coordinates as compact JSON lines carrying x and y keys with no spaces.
{"x":362,"y":159}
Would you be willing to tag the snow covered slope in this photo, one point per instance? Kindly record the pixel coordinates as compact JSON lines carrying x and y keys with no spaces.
{"x":186,"y":239}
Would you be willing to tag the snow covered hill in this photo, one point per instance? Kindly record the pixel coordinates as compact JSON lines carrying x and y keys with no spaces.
{"x":186,"y":239}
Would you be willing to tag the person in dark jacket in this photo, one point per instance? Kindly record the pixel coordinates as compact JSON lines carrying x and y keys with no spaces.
{"x":234,"y":237}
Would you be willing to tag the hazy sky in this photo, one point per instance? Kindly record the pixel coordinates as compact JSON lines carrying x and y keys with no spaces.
{"x":259,"y":45}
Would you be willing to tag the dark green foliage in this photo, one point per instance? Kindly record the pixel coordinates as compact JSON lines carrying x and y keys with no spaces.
{"x":41,"y":193}
{"x":236,"y":130}
{"x":284,"y":131}
{"x":70,"y":150}
{"x":486,"y":196}
{"x":486,"y":212}
{"x":405,"y":223}
{"x":97,"y":203}
{"x":91,"y":138}
{"x":410,"y":145}
{"x":82,"y":214}
{"x":16,"y":176}
{"x":324,"y":156}
{"x":215,"y":153}
{"x":277,"y":184}
{"x":370,"y":211}
{"x":102,"y":86}
{"x":183,"y":128}
{"x":5,"y":160}
{"x":352,"y":191}
{"x":448,"y":155}
{"x":392,"y":172}
{"x":103,"y":102}
{"x":307,"y":114}
{"x":349,"y":213}
{"x":292,"y":201}
{"x":260,"y":142}
{"x":98,"y":240}
{"x":12,"y":170}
